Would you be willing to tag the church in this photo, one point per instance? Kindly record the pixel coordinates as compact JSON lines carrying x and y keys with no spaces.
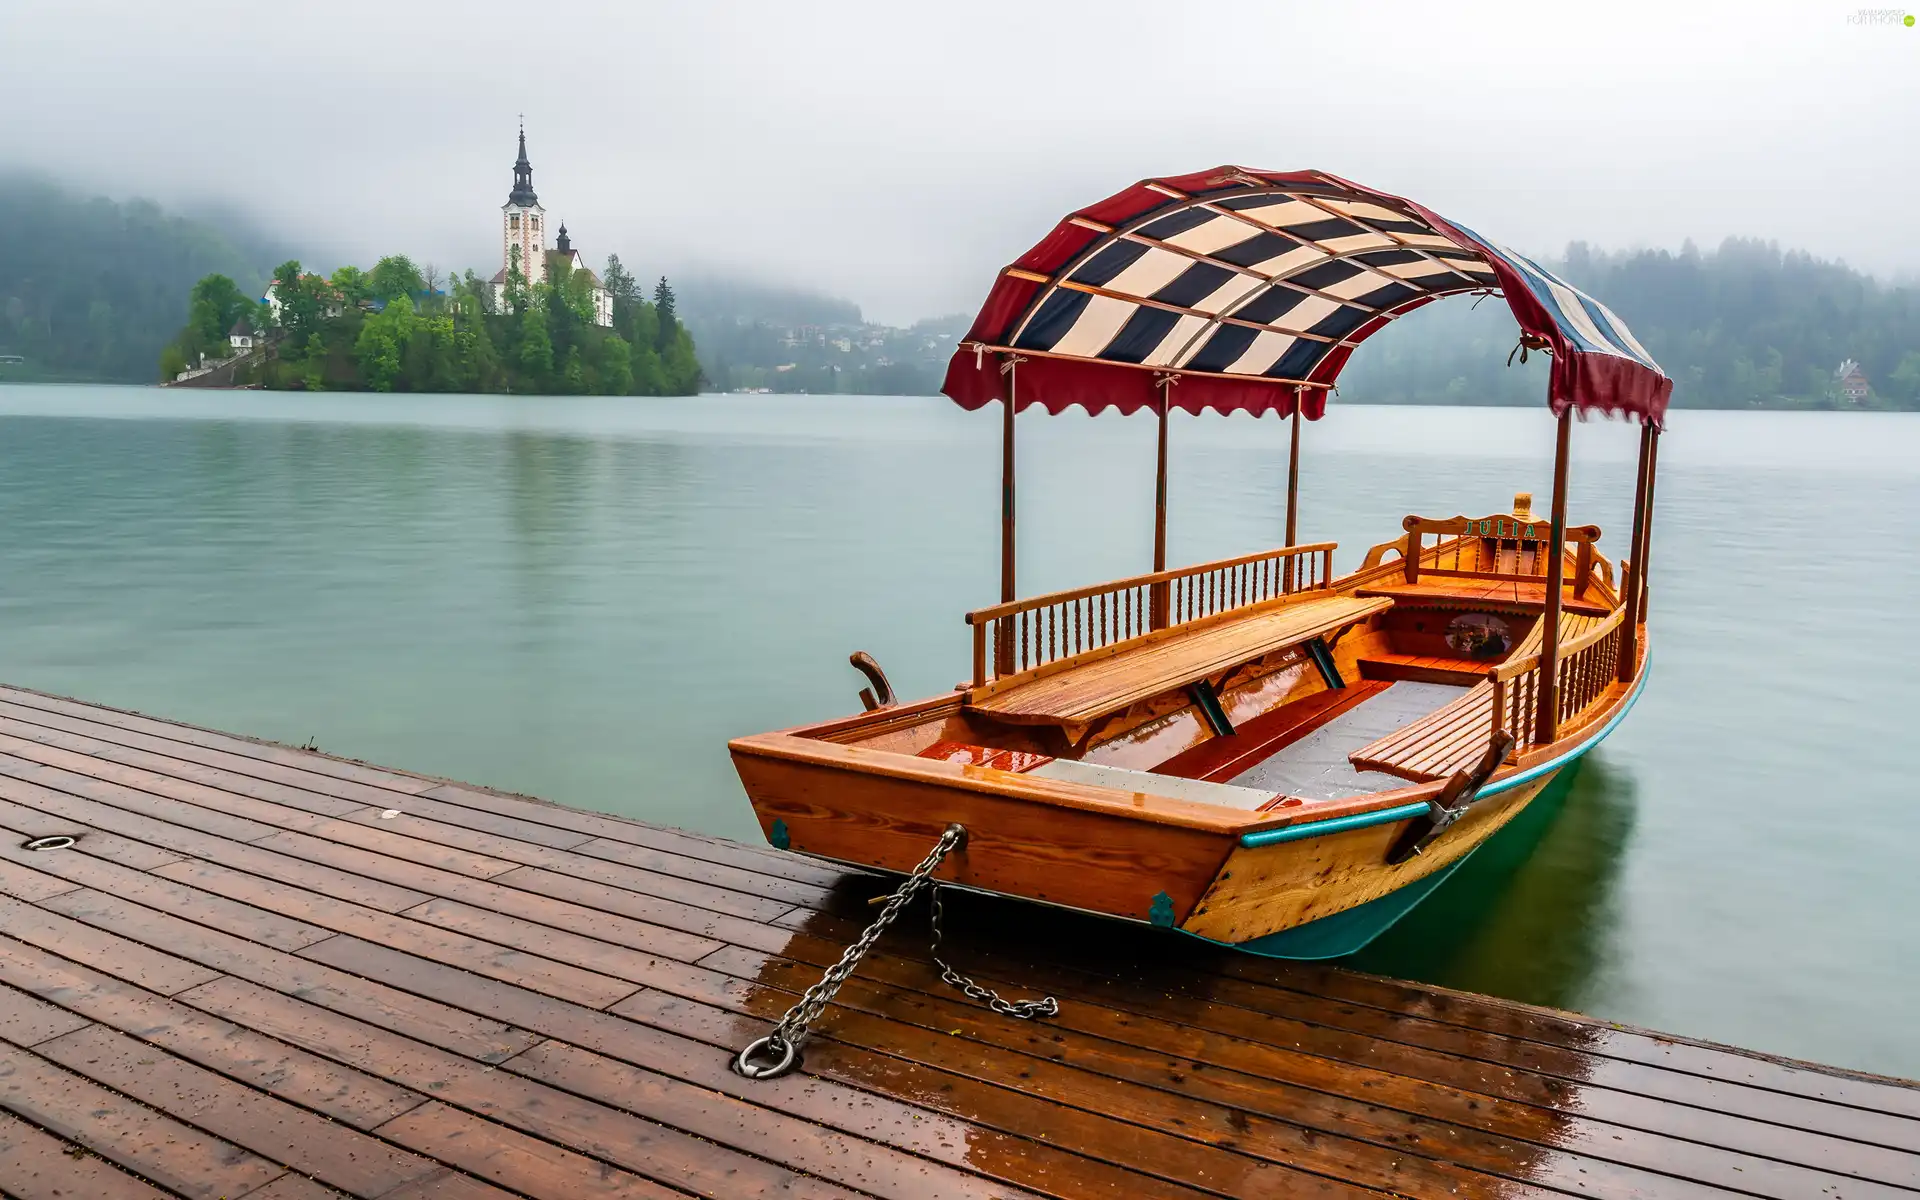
{"x":523,"y":228}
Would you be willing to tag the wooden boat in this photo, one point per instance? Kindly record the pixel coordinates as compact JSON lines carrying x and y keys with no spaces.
{"x":1258,"y":751}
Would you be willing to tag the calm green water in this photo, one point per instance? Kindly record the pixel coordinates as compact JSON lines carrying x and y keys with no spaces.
{"x":584,"y":598}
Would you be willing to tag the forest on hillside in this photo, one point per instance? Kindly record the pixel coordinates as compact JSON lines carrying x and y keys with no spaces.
{"x":91,"y":288}
{"x":1744,"y":326}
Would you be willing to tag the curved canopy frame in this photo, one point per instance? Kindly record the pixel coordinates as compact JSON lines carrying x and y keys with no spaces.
{"x":1250,"y":290}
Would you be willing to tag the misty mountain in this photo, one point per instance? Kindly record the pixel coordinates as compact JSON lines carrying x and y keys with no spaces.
{"x":1744,"y":326}
{"x":92,"y":289}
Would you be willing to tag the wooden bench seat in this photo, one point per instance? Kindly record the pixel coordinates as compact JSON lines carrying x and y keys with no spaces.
{"x":1079,"y":695}
{"x":1456,"y":592}
{"x":1452,"y":738}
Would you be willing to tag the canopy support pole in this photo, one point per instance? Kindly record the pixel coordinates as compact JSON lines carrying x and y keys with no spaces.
{"x":1003,"y":643}
{"x":1644,"y":550}
{"x":1161,"y":593}
{"x":1547,"y":719}
{"x":1629,"y":664}
{"x":1293,"y":488}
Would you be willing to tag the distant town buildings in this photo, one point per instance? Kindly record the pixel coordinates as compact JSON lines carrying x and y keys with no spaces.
{"x":523,"y":242}
{"x":1852,"y":382}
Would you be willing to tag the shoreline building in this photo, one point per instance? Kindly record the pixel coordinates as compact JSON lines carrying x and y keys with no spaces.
{"x":523,"y":230}
{"x":1852,"y":382}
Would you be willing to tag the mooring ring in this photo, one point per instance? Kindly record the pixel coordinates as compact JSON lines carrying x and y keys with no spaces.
{"x":789,"y":1054}
{"x":58,"y":841}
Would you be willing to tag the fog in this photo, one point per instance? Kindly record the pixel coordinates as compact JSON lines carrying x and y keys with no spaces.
{"x":898,"y":154}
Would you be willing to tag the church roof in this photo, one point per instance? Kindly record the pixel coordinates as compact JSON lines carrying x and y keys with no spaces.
{"x":522,"y":193}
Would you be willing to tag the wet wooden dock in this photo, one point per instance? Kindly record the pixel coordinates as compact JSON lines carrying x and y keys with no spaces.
{"x":268,"y":973}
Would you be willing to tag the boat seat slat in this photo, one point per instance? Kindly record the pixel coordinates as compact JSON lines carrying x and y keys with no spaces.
{"x":1453,"y":737}
{"x":1084,"y":693}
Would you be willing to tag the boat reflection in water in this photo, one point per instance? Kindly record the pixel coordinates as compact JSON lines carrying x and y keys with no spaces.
{"x":1529,"y":916}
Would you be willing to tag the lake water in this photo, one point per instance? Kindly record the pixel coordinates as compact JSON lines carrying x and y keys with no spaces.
{"x":584,"y":598}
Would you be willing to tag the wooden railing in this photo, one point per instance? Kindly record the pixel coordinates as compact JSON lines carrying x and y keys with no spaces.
{"x":1025,"y":634}
{"x":1586,"y":667}
{"x":1498,"y":547}
{"x":1522,"y":561}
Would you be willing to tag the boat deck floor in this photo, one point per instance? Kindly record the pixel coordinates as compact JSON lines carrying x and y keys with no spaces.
{"x":1316,"y":766}
{"x":267,"y":973}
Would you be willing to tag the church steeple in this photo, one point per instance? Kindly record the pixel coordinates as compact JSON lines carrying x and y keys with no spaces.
{"x":522,"y":193}
{"x":563,"y":245}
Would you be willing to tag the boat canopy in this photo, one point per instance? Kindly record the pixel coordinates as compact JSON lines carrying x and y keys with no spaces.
{"x":1246,"y":291}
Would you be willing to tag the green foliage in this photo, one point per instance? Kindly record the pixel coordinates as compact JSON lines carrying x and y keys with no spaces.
{"x":93,"y":289}
{"x":536,"y":350}
{"x":395,"y":277}
{"x":383,"y":340}
{"x":324,"y":340}
{"x":351,"y":284}
{"x":1903,"y":385}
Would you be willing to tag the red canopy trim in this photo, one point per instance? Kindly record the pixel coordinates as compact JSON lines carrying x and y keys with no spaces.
{"x":1239,"y":290}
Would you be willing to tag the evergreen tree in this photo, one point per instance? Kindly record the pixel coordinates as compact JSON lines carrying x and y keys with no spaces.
{"x":664,"y":314}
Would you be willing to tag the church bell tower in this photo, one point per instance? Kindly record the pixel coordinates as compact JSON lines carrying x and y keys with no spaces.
{"x":523,"y":221}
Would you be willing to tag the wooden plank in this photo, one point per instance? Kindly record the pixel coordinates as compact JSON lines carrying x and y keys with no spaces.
{"x":85,"y":995}
{"x":35,"y":1165}
{"x":19,"y":823}
{"x":106,"y":951}
{"x":139,"y":964}
{"x":1563,"y":1033}
{"x":1456,"y":592}
{"x":1091,"y":690}
{"x":267,"y":752}
{"x":982,"y":1108}
{"x":26,"y":1021}
{"x":1287,"y":1048}
{"x":418,"y":937}
{"x":329,"y":1151}
{"x":299,"y":1187}
{"x":150,"y":1144}
{"x":80,"y":868}
{"x":516,"y":1160}
{"x":1260,"y":1008}
{"x":184,"y":841}
{"x":1657,"y":1137}
{"x":1219,"y":759}
{"x":160,"y":774}
{"x":753,"y":861}
{"x":657,"y":1151}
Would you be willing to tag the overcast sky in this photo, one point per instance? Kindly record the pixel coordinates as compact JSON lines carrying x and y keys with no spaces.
{"x":898,"y":153}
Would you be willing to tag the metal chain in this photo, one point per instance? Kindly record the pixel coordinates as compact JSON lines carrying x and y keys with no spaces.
{"x":779,"y":1052}
{"x":1025,"y":1010}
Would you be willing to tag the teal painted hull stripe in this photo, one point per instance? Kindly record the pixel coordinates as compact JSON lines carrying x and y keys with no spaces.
{"x":1401,"y":812}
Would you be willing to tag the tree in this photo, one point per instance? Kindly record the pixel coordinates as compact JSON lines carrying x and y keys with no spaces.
{"x":351,"y":282}
{"x":536,"y":350}
{"x":516,"y":283}
{"x":303,"y":301}
{"x":616,"y":366}
{"x":214,"y":306}
{"x":1904,"y":383}
{"x":382,"y":341}
{"x":663,"y":312}
{"x":393,"y":277}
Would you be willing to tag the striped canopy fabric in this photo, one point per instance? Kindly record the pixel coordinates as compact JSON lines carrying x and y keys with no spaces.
{"x":1247,"y":291}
